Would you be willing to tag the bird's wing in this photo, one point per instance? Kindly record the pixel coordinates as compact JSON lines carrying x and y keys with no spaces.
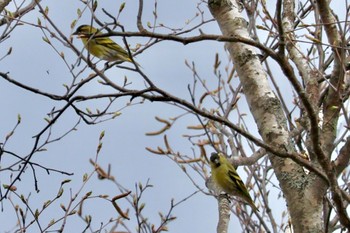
{"x":238,"y":182}
{"x":111,"y":45}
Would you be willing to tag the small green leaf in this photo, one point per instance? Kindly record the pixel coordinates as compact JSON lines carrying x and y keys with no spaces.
{"x":46,"y":11}
{"x":46,"y":204}
{"x":60,"y":192}
{"x":94,"y":7}
{"x":52,"y":222}
{"x":88,"y":218}
{"x":85,"y":176}
{"x":99,"y":147}
{"x":23,"y":199}
{"x":46,"y":40}
{"x":102,"y":134}
{"x":36,"y":214}
{"x":72,"y":25}
{"x":142,"y":206}
{"x":66,"y":86}
{"x":116,"y":114}
{"x":121,"y":7}
{"x":72,"y":212}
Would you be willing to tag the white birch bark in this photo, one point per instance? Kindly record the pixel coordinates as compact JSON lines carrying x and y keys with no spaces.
{"x":304,"y":204}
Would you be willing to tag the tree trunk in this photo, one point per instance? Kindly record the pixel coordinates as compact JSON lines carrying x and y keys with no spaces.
{"x":303,"y":192}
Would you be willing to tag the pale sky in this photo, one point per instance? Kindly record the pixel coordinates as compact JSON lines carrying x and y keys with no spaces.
{"x":35,"y":63}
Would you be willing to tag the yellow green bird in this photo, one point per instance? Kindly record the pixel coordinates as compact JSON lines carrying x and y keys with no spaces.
{"x":101,"y":47}
{"x":225,"y":176}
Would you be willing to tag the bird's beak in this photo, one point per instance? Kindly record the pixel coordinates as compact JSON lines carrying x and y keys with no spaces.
{"x":79,"y":35}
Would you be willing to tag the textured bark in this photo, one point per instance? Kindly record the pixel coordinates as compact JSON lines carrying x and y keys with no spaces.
{"x":332,"y":105}
{"x":224,"y":213}
{"x":303,"y":195}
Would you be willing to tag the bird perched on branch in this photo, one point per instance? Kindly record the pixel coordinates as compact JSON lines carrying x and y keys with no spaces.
{"x":225,"y":176}
{"x":101,"y":47}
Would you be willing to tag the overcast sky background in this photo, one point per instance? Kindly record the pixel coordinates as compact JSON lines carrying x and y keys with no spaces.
{"x":35,"y":63}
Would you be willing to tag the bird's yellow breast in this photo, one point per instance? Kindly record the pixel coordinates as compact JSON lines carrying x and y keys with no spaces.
{"x":93,"y":48}
{"x":220,"y":175}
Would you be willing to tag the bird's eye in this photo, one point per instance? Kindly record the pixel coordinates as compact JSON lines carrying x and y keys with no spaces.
{"x":217,"y":162}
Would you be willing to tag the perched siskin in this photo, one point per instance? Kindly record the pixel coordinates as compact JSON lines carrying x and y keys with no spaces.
{"x":225,"y":176}
{"x":101,"y":47}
